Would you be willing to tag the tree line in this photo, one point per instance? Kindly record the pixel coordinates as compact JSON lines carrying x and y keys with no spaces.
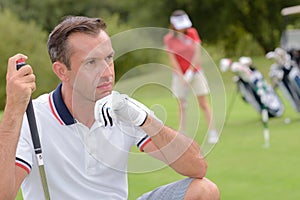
{"x":231,"y":25}
{"x":216,"y":20}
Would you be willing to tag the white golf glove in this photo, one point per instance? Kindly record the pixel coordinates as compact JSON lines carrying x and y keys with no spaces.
{"x":188,"y":75}
{"x":118,"y":106}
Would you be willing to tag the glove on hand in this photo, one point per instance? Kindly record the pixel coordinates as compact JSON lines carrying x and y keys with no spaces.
{"x":188,"y":75}
{"x":118,"y":106}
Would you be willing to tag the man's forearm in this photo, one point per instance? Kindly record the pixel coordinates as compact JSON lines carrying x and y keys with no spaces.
{"x":9,"y":136}
{"x":177,"y":150}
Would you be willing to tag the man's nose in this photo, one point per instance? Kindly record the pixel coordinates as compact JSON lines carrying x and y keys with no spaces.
{"x":106,"y":69}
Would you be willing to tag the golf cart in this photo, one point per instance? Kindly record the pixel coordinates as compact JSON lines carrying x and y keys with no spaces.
{"x":285,"y":71}
{"x":290,"y":38}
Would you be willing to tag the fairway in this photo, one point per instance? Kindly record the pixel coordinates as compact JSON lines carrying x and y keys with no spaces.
{"x":238,"y":164}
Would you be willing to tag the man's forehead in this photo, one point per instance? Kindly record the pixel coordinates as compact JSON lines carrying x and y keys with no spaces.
{"x":102,"y":48}
{"x":89,"y":44}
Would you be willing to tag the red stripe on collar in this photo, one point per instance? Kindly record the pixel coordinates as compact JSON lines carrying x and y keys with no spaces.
{"x":53,"y":111}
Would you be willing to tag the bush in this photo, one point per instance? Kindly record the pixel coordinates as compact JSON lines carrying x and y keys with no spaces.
{"x":29,"y":39}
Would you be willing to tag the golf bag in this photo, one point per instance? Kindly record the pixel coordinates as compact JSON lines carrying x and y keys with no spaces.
{"x":285,"y":75}
{"x":253,"y":87}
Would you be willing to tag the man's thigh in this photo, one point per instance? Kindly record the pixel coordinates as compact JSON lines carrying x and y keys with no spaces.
{"x":174,"y":191}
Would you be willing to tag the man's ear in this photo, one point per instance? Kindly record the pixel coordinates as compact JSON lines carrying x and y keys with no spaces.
{"x":61,"y":71}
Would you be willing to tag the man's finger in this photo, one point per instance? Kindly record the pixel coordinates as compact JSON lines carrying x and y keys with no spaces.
{"x":12,"y":62}
{"x":29,"y":78}
{"x":25,"y":70}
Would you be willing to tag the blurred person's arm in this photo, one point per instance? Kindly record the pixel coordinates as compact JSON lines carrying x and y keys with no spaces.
{"x":19,"y":86}
{"x":175,"y":64}
{"x":196,"y":57}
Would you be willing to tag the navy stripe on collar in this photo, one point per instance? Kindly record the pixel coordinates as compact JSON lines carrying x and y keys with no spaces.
{"x":61,"y":107}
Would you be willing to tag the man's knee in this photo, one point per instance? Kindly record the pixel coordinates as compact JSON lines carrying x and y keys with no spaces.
{"x":202,"y":189}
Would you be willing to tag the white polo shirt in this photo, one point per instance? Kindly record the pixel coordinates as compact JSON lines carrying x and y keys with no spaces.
{"x":80,"y":163}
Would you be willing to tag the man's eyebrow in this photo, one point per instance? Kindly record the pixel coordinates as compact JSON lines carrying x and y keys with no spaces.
{"x":88,"y":59}
{"x":112,"y":52}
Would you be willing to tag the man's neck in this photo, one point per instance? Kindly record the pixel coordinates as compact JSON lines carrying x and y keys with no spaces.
{"x":82,"y":110}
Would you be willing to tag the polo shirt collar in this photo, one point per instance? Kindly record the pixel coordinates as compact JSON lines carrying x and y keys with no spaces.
{"x":59,"y":108}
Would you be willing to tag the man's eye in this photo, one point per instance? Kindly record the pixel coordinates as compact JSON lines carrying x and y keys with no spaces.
{"x":109,"y":59}
{"x":91,"y":62}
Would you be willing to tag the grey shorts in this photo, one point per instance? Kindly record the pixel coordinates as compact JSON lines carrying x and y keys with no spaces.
{"x":198,"y":85}
{"x":174,"y":191}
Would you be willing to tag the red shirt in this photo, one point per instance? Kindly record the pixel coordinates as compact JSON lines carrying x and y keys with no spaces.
{"x":183,"y":47}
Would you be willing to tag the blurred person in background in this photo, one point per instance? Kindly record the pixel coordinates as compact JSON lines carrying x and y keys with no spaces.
{"x":184,"y":46}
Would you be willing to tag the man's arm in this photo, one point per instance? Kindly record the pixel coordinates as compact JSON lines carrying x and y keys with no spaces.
{"x":175,"y":149}
{"x":19,"y":86}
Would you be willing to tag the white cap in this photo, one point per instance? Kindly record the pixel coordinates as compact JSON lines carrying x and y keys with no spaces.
{"x":181,"y":22}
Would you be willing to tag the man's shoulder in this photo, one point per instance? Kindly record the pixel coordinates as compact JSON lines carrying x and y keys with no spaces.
{"x":44,"y":98}
{"x":41,"y":103}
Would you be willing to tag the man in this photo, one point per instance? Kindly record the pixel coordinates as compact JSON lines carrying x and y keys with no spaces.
{"x":19,"y":86}
{"x":84,"y":158}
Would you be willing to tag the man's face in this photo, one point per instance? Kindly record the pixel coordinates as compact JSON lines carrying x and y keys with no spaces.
{"x":92,"y":67}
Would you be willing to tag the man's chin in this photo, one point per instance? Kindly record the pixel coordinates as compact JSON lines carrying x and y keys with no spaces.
{"x":103,"y":94}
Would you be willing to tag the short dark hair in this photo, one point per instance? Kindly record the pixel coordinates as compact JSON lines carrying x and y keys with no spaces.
{"x":57,"y":40}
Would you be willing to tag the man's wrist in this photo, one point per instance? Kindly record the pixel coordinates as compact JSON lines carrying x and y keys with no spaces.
{"x":143,"y":122}
{"x":152,"y":126}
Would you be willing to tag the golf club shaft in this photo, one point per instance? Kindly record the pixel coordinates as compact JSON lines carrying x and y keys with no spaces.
{"x":37,"y":147}
{"x":36,"y":141}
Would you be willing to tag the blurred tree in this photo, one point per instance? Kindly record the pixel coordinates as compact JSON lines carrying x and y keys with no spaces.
{"x":29,"y":39}
{"x":250,"y":27}
{"x":230,"y":21}
{"x":48,"y":13}
{"x":217,"y":20}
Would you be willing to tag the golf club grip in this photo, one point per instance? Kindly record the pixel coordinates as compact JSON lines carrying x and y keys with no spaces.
{"x":31,"y":118}
{"x":33,"y":128}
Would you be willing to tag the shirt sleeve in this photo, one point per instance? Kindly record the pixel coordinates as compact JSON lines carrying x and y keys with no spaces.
{"x":25,"y":152}
{"x":142,"y":143}
{"x":193,"y":33}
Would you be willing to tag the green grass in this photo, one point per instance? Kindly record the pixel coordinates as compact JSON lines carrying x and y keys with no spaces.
{"x":238,"y":164}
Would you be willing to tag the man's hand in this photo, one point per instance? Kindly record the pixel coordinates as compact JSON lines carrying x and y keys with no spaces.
{"x":19,"y":84}
{"x":118,"y":106}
